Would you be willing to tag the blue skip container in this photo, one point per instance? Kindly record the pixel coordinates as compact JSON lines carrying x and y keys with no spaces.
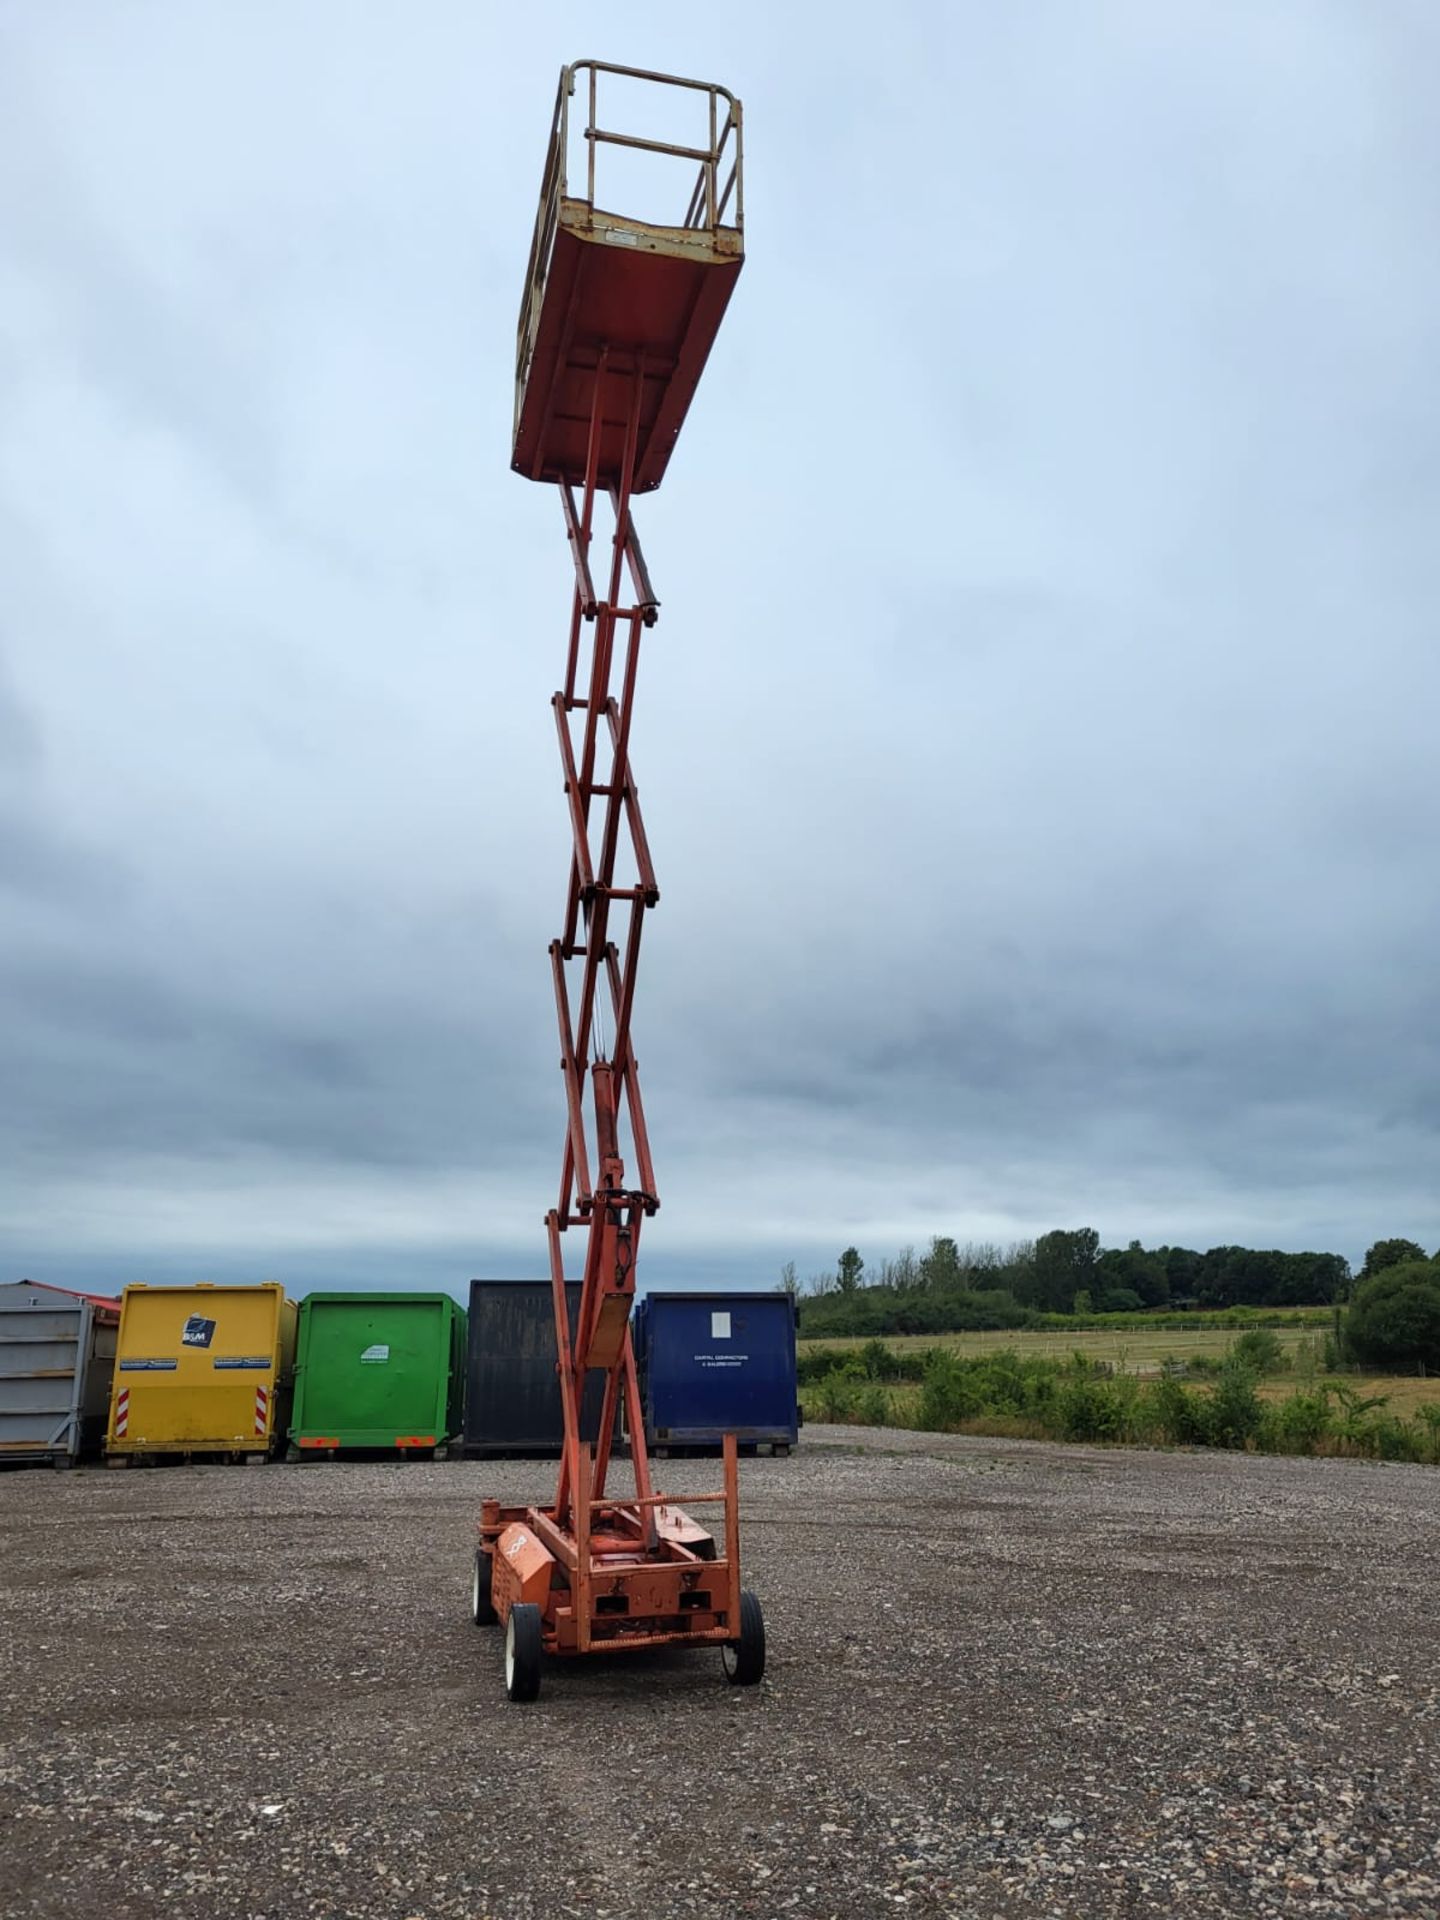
{"x":717,"y":1363}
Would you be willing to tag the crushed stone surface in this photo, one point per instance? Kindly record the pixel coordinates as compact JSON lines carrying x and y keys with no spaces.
{"x":1005,"y":1678}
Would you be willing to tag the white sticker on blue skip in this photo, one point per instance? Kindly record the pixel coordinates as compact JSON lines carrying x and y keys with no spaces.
{"x":719,"y":1326}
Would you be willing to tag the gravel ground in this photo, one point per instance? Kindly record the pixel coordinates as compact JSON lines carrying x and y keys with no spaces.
{"x":1005,"y":1678}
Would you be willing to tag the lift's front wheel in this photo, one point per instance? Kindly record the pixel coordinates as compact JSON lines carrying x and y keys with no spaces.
{"x":522,"y":1652}
{"x":482,"y":1606}
{"x":744,"y":1658}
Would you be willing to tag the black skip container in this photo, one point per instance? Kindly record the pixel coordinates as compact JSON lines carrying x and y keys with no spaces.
{"x":512,"y":1397}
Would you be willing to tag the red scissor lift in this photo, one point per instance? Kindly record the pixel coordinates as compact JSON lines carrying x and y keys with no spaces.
{"x":616,"y":323}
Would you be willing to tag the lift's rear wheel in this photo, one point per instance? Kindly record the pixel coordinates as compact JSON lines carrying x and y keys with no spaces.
{"x":522,"y":1651}
{"x":481,"y":1605}
{"x":744,"y":1658}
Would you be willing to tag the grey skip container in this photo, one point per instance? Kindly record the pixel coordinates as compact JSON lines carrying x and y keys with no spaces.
{"x":57,"y":1362}
{"x":512,"y":1397}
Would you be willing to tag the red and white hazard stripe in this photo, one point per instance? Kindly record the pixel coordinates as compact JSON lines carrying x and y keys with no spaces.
{"x":262,"y":1408}
{"x":122,"y":1413}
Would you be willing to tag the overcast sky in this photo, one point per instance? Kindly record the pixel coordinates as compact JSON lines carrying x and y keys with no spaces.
{"x":1039,"y":743}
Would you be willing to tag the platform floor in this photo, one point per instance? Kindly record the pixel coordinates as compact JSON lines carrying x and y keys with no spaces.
{"x":655,"y":297}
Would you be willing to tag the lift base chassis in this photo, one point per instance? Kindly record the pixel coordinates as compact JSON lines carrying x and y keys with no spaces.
{"x":641,"y":1574}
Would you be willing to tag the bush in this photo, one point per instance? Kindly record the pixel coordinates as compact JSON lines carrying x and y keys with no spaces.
{"x":1427,"y":1419}
{"x":1235,"y":1410}
{"x":837,"y":1393}
{"x":1296,"y":1425}
{"x":873,"y":1361}
{"x":1386,"y":1437}
{"x":1096,"y":1409}
{"x":993,"y":1311}
{"x":883,"y":1363}
{"x":1394,"y":1319}
{"x":872,"y":1408}
{"x":948,"y":1394}
{"x":813,"y":1363}
{"x":1010,"y":1384}
{"x":1078,"y":1399}
{"x":847,"y":1398}
{"x":892,"y":1310}
{"x":1181,"y":1418}
{"x":1259,"y":1350}
{"x":1120,"y":1300}
{"x":1306,"y":1357}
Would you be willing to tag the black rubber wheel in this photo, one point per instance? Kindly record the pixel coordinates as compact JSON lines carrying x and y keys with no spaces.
{"x":522,"y":1651}
{"x":744,"y":1658}
{"x":482,"y":1607}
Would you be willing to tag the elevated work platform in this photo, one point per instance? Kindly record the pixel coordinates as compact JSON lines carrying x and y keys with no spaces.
{"x":607,"y":295}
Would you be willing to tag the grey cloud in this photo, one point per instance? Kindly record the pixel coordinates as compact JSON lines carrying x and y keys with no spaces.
{"x":19,"y":735}
{"x":1037,"y":741}
{"x":100,"y":1063}
{"x":41,"y":866}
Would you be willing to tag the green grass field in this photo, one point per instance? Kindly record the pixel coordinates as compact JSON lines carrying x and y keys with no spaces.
{"x":1143,"y":1351}
{"x":1403,"y":1394}
{"x":1403,"y":1397}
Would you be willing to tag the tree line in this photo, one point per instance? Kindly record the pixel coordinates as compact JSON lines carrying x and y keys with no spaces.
{"x":954,"y":1286}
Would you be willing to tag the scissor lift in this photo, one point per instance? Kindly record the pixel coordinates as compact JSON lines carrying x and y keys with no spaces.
{"x":616,"y":322}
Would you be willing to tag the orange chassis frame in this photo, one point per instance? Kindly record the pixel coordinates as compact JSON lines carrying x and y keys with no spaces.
{"x":612,"y":1584}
